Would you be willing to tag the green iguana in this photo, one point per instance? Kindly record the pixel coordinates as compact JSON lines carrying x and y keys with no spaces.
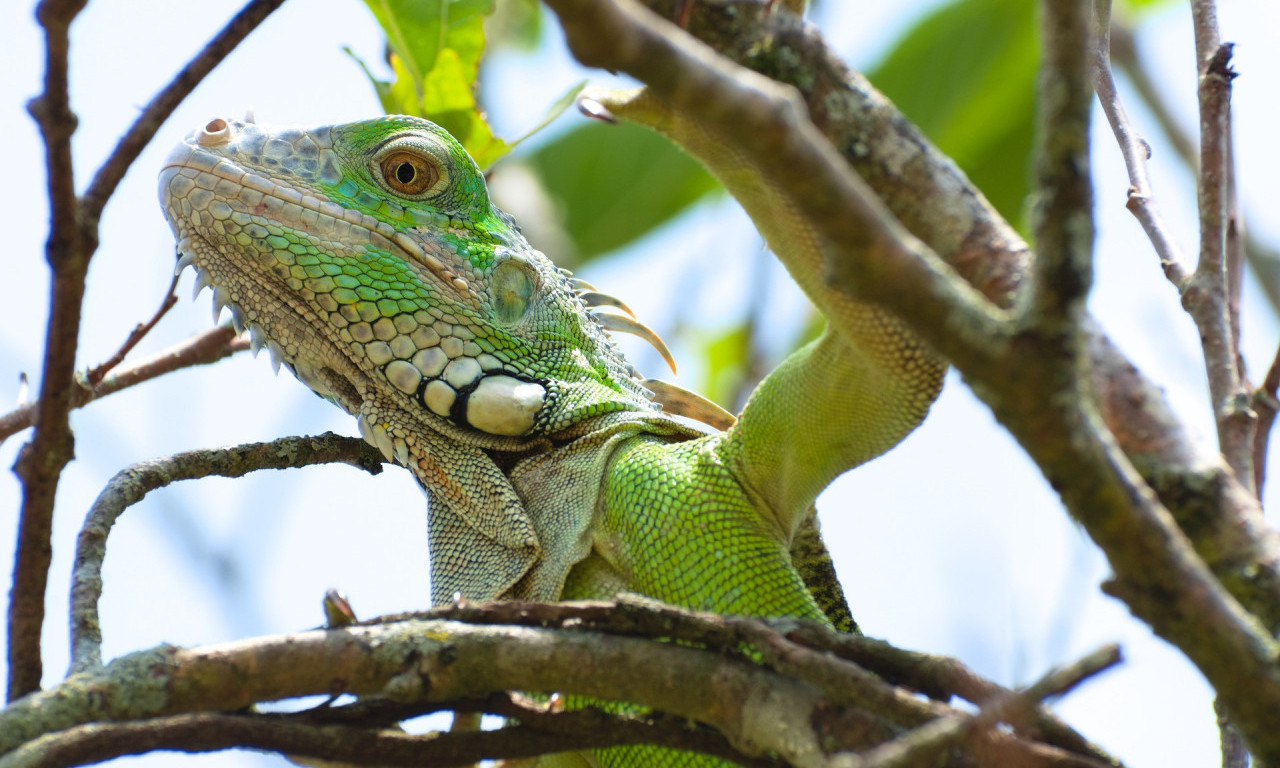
{"x":369,"y":260}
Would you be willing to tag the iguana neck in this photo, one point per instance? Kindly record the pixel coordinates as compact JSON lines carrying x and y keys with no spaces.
{"x":560,"y":490}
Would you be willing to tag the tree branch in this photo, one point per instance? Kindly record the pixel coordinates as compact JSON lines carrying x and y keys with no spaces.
{"x":1223,"y":519}
{"x":205,"y":347}
{"x":777,"y":643}
{"x":1124,"y":49}
{"x":1266,"y":404}
{"x":402,"y":667}
{"x":139,"y":332}
{"x":940,"y":678}
{"x":923,"y":745}
{"x":432,"y":661}
{"x":1062,"y":271}
{"x":129,"y":486}
{"x":295,"y":737}
{"x":1264,"y":259}
{"x":40,"y":462}
{"x":1208,"y":296}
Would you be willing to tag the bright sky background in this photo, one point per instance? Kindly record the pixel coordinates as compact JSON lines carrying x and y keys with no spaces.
{"x":952,"y":543}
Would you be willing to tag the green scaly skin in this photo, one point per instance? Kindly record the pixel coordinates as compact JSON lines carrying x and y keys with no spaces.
{"x":403,"y":296}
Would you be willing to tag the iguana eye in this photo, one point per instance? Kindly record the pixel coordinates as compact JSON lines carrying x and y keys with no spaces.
{"x":511,"y":289}
{"x":408,"y":173}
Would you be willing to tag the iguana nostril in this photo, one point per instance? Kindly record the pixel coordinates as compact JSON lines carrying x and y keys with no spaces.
{"x":215,"y":133}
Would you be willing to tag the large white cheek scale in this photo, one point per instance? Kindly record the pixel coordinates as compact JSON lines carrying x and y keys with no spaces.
{"x":502,"y":405}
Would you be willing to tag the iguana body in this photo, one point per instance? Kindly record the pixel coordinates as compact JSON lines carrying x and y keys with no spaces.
{"x":368,"y":258}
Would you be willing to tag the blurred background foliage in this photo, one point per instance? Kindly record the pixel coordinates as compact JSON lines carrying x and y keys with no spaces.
{"x":964,"y":73}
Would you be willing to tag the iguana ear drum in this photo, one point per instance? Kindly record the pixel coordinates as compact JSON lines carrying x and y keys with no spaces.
{"x":511,"y":289}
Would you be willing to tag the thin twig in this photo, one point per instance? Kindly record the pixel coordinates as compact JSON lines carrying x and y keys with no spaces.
{"x":1238,"y":243}
{"x":1266,"y":404}
{"x":162,"y":105}
{"x":941,"y":678}
{"x":139,"y":332}
{"x":1235,"y":754}
{"x":129,"y":486}
{"x":922,"y":745}
{"x":205,"y":347}
{"x":1124,"y":52}
{"x":1213,"y":296}
{"x":1208,"y":297}
{"x":1263,"y":258}
{"x":1265,"y":261}
{"x":1233,"y":266}
{"x":1136,"y":152}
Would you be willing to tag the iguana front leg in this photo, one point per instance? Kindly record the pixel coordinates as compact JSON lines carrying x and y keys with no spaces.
{"x":835,"y":403}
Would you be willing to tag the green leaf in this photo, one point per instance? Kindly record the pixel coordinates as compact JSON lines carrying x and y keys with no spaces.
{"x":725,"y":355}
{"x":1144,"y":6}
{"x":615,"y":183}
{"x":554,"y":111}
{"x":435,"y":56}
{"x":448,"y":99}
{"x":515,"y":24}
{"x":380,"y":87}
{"x":404,"y":90}
{"x":417,"y":30}
{"x":966,"y":75}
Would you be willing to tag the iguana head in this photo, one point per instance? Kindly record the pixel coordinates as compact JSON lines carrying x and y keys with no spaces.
{"x":368,"y":258}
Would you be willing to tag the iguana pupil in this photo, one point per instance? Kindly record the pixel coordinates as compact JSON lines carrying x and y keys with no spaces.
{"x":408,"y":173}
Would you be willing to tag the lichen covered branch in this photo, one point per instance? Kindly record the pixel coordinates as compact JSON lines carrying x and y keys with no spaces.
{"x":130,"y":485}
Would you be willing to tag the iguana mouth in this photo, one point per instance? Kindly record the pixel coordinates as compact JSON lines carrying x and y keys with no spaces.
{"x":446,"y":375}
{"x":319,"y":367}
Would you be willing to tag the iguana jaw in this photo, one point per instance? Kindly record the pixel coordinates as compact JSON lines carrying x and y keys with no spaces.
{"x":410,"y":316}
{"x":276,"y":319}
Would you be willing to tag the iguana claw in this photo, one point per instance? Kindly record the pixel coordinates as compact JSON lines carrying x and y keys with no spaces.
{"x":597,"y":299}
{"x":611,"y":322}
